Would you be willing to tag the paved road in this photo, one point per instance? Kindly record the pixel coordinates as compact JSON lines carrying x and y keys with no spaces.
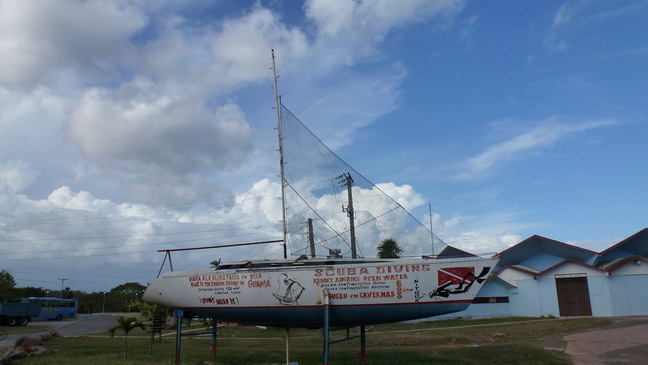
{"x":86,"y":324}
{"x":625,"y":341}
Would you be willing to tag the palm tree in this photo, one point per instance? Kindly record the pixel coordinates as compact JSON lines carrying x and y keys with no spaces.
{"x":389,"y":249}
{"x":215,"y":263}
{"x":126,"y":324}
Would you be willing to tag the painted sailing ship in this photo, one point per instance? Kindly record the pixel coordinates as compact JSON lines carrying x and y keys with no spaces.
{"x":355,"y":291}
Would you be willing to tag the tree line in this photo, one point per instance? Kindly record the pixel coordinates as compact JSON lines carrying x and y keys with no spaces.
{"x":118,"y":299}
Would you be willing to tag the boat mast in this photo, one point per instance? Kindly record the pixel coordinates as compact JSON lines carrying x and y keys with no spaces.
{"x":281,"y":158}
{"x":431,"y":232}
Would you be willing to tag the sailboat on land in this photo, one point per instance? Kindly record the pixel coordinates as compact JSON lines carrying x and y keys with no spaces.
{"x":350,"y":291}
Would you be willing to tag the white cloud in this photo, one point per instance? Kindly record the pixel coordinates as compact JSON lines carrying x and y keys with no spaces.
{"x":481,"y":234}
{"x":137,"y":124}
{"x":241,"y":49}
{"x":545,"y":134}
{"x":42,"y":36}
{"x":376,"y":219}
{"x":356,"y":27}
{"x":63,"y":197}
{"x":141,"y":128}
{"x":260,"y":205}
{"x":31,"y":131}
{"x":348,"y":33}
{"x":356,"y":101}
{"x":575,"y":15}
{"x":16,"y":175}
{"x":113,"y":236}
{"x":480,"y":243}
{"x":403,"y":195}
{"x":119,"y":116}
{"x":468,"y":29}
{"x":224,"y":57}
{"x":563,"y":16}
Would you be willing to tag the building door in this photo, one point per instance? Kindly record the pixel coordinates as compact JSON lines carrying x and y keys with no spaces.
{"x":573,"y":295}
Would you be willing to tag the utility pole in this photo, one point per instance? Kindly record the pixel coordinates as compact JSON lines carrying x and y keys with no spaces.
{"x":62,"y":281}
{"x":311,"y":237}
{"x":348,"y":181}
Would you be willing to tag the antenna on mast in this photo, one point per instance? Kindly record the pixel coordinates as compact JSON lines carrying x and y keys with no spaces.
{"x":281,"y":157}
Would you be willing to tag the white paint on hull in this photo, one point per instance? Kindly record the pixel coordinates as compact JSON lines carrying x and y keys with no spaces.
{"x":300,"y":284}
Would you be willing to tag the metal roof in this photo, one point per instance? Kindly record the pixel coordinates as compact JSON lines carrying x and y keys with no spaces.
{"x":536,"y":245}
{"x":637,"y":244}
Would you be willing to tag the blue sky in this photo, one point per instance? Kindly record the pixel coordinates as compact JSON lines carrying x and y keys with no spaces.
{"x":130,"y":126}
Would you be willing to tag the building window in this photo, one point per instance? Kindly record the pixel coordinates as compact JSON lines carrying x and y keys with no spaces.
{"x":483,"y":300}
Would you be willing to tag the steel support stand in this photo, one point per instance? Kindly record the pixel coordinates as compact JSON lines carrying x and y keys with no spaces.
{"x":325,"y":330}
{"x":152,"y":335}
{"x":326,"y":334}
{"x":287,"y":345}
{"x":178,"y":315}
{"x":363,"y":345}
{"x":214,"y":335}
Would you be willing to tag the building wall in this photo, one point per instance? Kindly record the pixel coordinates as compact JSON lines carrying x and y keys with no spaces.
{"x":573,"y":268}
{"x":599,"y":289}
{"x":629,"y":290}
{"x":538,"y":297}
{"x":526,"y":301}
{"x":598,"y":286}
{"x":624,"y":292}
{"x":619,"y":295}
{"x":632,"y":268}
{"x":512,"y":276}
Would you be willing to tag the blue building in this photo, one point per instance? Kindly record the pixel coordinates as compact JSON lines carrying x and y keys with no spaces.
{"x":544,"y":277}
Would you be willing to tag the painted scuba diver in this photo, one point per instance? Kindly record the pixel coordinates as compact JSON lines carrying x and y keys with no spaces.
{"x":290,"y":295}
{"x":457,"y":280}
{"x":454,"y":280}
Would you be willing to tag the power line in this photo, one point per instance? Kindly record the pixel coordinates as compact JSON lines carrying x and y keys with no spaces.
{"x":49,"y":274}
{"x":76,"y":257}
{"x":95,"y":217}
{"x":317,"y":214}
{"x":123,"y":246}
{"x":83,"y":256}
{"x":133,"y":235}
{"x":221,"y":246}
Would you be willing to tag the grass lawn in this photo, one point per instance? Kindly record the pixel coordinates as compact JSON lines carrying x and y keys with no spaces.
{"x":488,"y":341}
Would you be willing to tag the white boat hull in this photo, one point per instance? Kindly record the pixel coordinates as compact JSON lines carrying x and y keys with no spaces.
{"x":291,"y":293}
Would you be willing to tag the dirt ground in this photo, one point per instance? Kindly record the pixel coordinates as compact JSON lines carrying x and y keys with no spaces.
{"x":625,"y":341}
